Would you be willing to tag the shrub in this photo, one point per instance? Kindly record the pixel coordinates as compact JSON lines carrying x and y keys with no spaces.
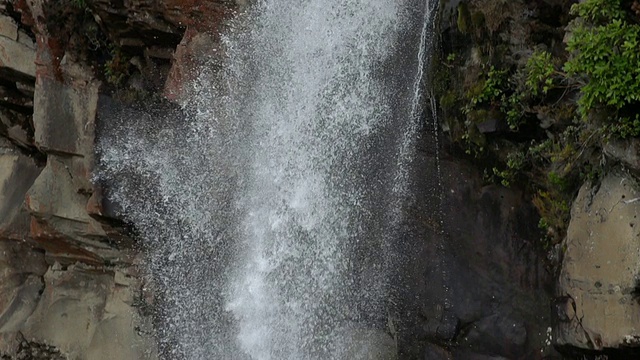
{"x":540,"y":71}
{"x":604,"y":47}
{"x":488,"y":90}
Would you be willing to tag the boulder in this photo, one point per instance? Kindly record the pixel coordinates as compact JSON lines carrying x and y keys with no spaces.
{"x":468,"y":355}
{"x":434,"y":352}
{"x":497,"y":334}
{"x":599,"y":284}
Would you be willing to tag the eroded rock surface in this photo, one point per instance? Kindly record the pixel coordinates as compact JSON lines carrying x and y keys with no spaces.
{"x":598,"y":304}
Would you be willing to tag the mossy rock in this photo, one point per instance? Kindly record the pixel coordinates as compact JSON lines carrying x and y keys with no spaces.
{"x":477,"y":20}
{"x":449,"y":100}
{"x":464,"y":18}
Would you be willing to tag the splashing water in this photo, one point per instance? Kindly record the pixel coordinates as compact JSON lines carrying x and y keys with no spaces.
{"x":269,"y":215}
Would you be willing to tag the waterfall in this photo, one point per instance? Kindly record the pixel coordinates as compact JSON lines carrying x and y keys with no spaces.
{"x":268,"y":214}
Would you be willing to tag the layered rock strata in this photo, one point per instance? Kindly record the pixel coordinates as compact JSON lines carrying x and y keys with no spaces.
{"x":70,"y":284}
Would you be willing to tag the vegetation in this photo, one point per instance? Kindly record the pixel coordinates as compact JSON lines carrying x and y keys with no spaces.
{"x":116,"y":68}
{"x":604,"y":45}
{"x":540,"y":72}
{"x":544,"y":116}
{"x":79,"y":3}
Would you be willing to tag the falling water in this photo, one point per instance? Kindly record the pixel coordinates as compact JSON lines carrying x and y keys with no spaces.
{"x":269,"y":213}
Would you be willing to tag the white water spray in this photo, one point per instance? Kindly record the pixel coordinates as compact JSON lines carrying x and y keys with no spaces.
{"x":268,"y":216}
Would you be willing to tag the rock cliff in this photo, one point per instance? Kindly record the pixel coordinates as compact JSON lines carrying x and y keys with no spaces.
{"x":578,"y":171}
{"x":70,"y":284}
{"x":478,"y":284}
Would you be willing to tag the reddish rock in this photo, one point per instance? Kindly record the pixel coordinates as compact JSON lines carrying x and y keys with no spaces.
{"x":203,"y":16}
{"x":59,"y":246}
{"x":23,"y":8}
{"x":192,"y":53}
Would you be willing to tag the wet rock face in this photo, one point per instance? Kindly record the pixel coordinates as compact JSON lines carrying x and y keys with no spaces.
{"x":598,"y":303}
{"x":479,"y":284}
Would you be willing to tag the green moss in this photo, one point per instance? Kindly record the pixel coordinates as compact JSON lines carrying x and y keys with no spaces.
{"x":475,"y":90}
{"x":477,"y":20}
{"x":477,"y":116}
{"x":464,"y":18}
{"x":448,"y":100}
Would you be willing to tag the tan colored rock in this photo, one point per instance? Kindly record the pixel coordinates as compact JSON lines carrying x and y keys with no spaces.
{"x":25,"y":40}
{"x":17,"y":60}
{"x":17,"y":173}
{"x":63,"y":115}
{"x":8,"y":28}
{"x":60,"y":223}
{"x":96,"y":314}
{"x":598,"y":304}
{"x":21,"y":270}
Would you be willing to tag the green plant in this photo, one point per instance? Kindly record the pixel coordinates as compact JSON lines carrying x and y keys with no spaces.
{"x":626,"y":127}
{"x":474,"y":143}
{"x":557,"y":180}
{"x":599,"y":11}
{"x":604,"y":47}
{"x":554,"y":213}
{"x":539,"y":73}
{"x":515,"y":164}
{"x":79,"y":3}
{"x":490,"y":89}
{"x":512,"y":107}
